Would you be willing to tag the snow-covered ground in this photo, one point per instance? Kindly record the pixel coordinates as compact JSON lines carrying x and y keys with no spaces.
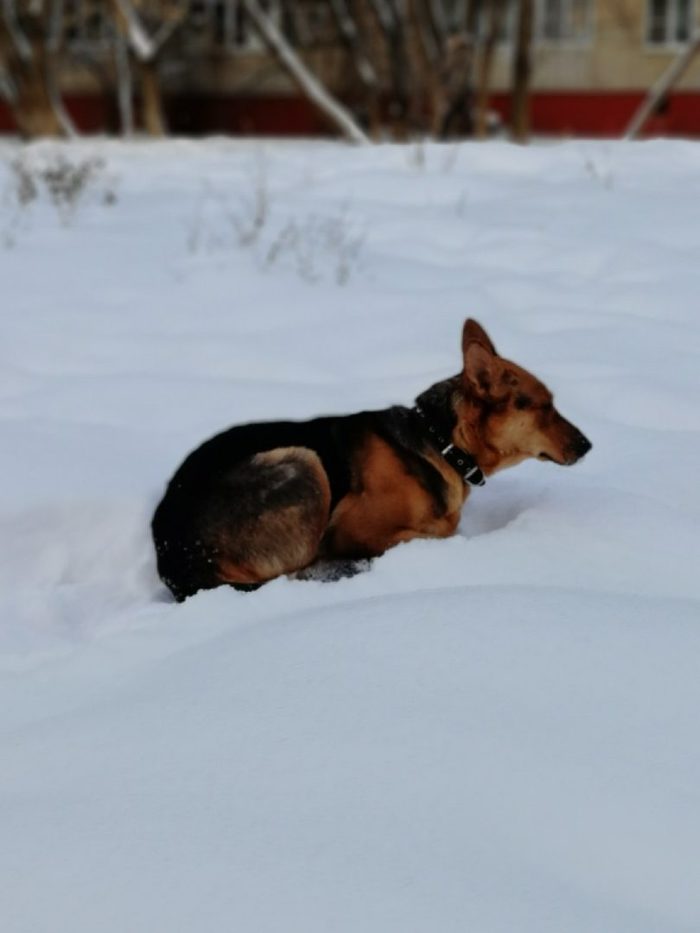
{"x":496,"y":733}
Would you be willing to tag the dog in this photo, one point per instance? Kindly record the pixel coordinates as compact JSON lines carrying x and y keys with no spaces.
{"x":272,"y":498}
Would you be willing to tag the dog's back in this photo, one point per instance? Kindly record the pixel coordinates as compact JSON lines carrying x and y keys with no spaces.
{"x":242,"y":488}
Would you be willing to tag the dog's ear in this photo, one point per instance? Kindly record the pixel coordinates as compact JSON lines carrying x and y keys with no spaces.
{"x":481,"y":365}
{"x":482,"y":371}
{"x":473,"y":332}
{"x":485,"y":373}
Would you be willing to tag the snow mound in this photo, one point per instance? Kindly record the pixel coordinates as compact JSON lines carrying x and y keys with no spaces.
{"x":493,"y":732}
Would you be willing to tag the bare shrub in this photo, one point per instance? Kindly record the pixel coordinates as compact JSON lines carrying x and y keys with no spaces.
{"x":252,"y":215}
{"x":62,"y":182}
{"x":25,"y":188}
{"x":315,"y":246}
{"x":416,"y":156}
{"x":601,"y":174}
{"x":20,"y":191}
{"x":66,"y":182}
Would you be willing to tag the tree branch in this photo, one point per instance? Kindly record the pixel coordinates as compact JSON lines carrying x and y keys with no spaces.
{"x":309,"y":84}
{"x":124,"y":84}
{"x":671,"y":76}
{"x":8,"y":89}
{"x":350,"y":35}
{"x":19,"y":40}
{"x":59,"y":108}
{"x":55,"y":30}
{"x":143,"y":46}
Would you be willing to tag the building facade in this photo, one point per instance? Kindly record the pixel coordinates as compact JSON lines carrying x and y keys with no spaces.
{"x":593,"y":61}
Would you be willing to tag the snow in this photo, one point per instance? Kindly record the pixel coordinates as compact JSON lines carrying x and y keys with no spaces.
{"x":494,"y":732}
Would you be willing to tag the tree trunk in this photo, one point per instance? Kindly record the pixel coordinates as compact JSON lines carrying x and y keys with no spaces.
{"x":31,"y":100}
{"x":308,"y":83}
{"x":351,"y":37}
{"x":30,"y":49}
{"x":152,"y":115}
{"x":453,"y":111}
{"x":497,"y":10}
{"x":471,"y":20}
{"x":33,"y":110}
{"x":53,"y":90}
{"x":522,"y":68}
{"x":124,"y":84}
{"x":671,"y":76}
{"x":146,"y":47}
{"x":427,"y":55}
{"x":391,"y":22}
{"x":427,"y":41}
{"x":436,"y":20}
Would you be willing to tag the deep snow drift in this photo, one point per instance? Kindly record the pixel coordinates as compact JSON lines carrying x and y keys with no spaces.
{"x":493,"y":733}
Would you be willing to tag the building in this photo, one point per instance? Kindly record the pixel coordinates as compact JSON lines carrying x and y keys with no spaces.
{"x":593,"y":60}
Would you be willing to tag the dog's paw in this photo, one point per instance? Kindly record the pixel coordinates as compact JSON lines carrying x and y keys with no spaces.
{"x":329,"y":571}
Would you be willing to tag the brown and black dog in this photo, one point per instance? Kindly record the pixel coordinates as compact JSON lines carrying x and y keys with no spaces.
{"x":261,"y":500}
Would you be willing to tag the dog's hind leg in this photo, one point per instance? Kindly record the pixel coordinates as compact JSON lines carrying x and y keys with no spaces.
{"x":329,"y":570}
{"x":271,"y":516}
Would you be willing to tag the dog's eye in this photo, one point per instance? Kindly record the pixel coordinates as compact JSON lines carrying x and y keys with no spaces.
{"x":522,"y":401}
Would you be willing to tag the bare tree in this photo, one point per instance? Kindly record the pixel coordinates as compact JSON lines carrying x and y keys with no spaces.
{"x":131,"y":20}
{"x":668,"y":79}
{"x":435,"y":12}
{"x":352,"y":39}
{"x":522,"y":71}
{"x":427,"y":55}
{"x":471,"y":15}
{"x":418,"y":55}
{"x":430,"y":38}
{"x":497,"y":10}
{"x":390,"y":16}
{"x":125,"y":87}
{"x":300,"y":74}
{"x":30,"y":47}
{"x":454,"y":105}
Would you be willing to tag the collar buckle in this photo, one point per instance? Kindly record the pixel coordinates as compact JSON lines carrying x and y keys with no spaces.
{"x":475,"y":477}
{"x":457,"y":458}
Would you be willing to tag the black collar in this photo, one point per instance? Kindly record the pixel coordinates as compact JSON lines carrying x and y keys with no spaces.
{"x":463,"y":462}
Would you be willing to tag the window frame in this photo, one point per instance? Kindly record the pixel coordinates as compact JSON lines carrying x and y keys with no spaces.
{"x":671,"y":22}
{"x":583,"y":41}
{"x":539,"y":39}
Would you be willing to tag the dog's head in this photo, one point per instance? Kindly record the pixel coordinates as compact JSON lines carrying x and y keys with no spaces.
{"x":508,"y":412}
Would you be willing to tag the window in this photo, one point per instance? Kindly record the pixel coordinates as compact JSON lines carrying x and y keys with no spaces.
{"x":211,"y":24}
{"x":555,"y":21}
{"x":506,"y":20}
{"x":85,"y":23}
{"x":223,"y":25}
{"x":564,"y":20}
{"x":668,"y":21}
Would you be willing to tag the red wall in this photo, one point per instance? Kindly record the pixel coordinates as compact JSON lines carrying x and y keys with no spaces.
{"x":607,"y":113}
{"x":582,"y":113}
{"x":92,"y":114}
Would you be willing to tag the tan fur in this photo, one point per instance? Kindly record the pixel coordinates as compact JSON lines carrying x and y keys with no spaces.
{"x":284,"y":539}
{"x":494,"y":429}
{"x":389,"y":505}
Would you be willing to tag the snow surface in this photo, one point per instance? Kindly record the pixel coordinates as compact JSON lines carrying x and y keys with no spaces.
{"x":492,"y":733}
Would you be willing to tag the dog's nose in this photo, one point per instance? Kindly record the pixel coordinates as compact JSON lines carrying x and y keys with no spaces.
{"x":581,"y":445}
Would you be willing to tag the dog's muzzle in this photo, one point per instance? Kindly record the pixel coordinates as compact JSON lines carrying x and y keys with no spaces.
{"x":577,"y":448}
